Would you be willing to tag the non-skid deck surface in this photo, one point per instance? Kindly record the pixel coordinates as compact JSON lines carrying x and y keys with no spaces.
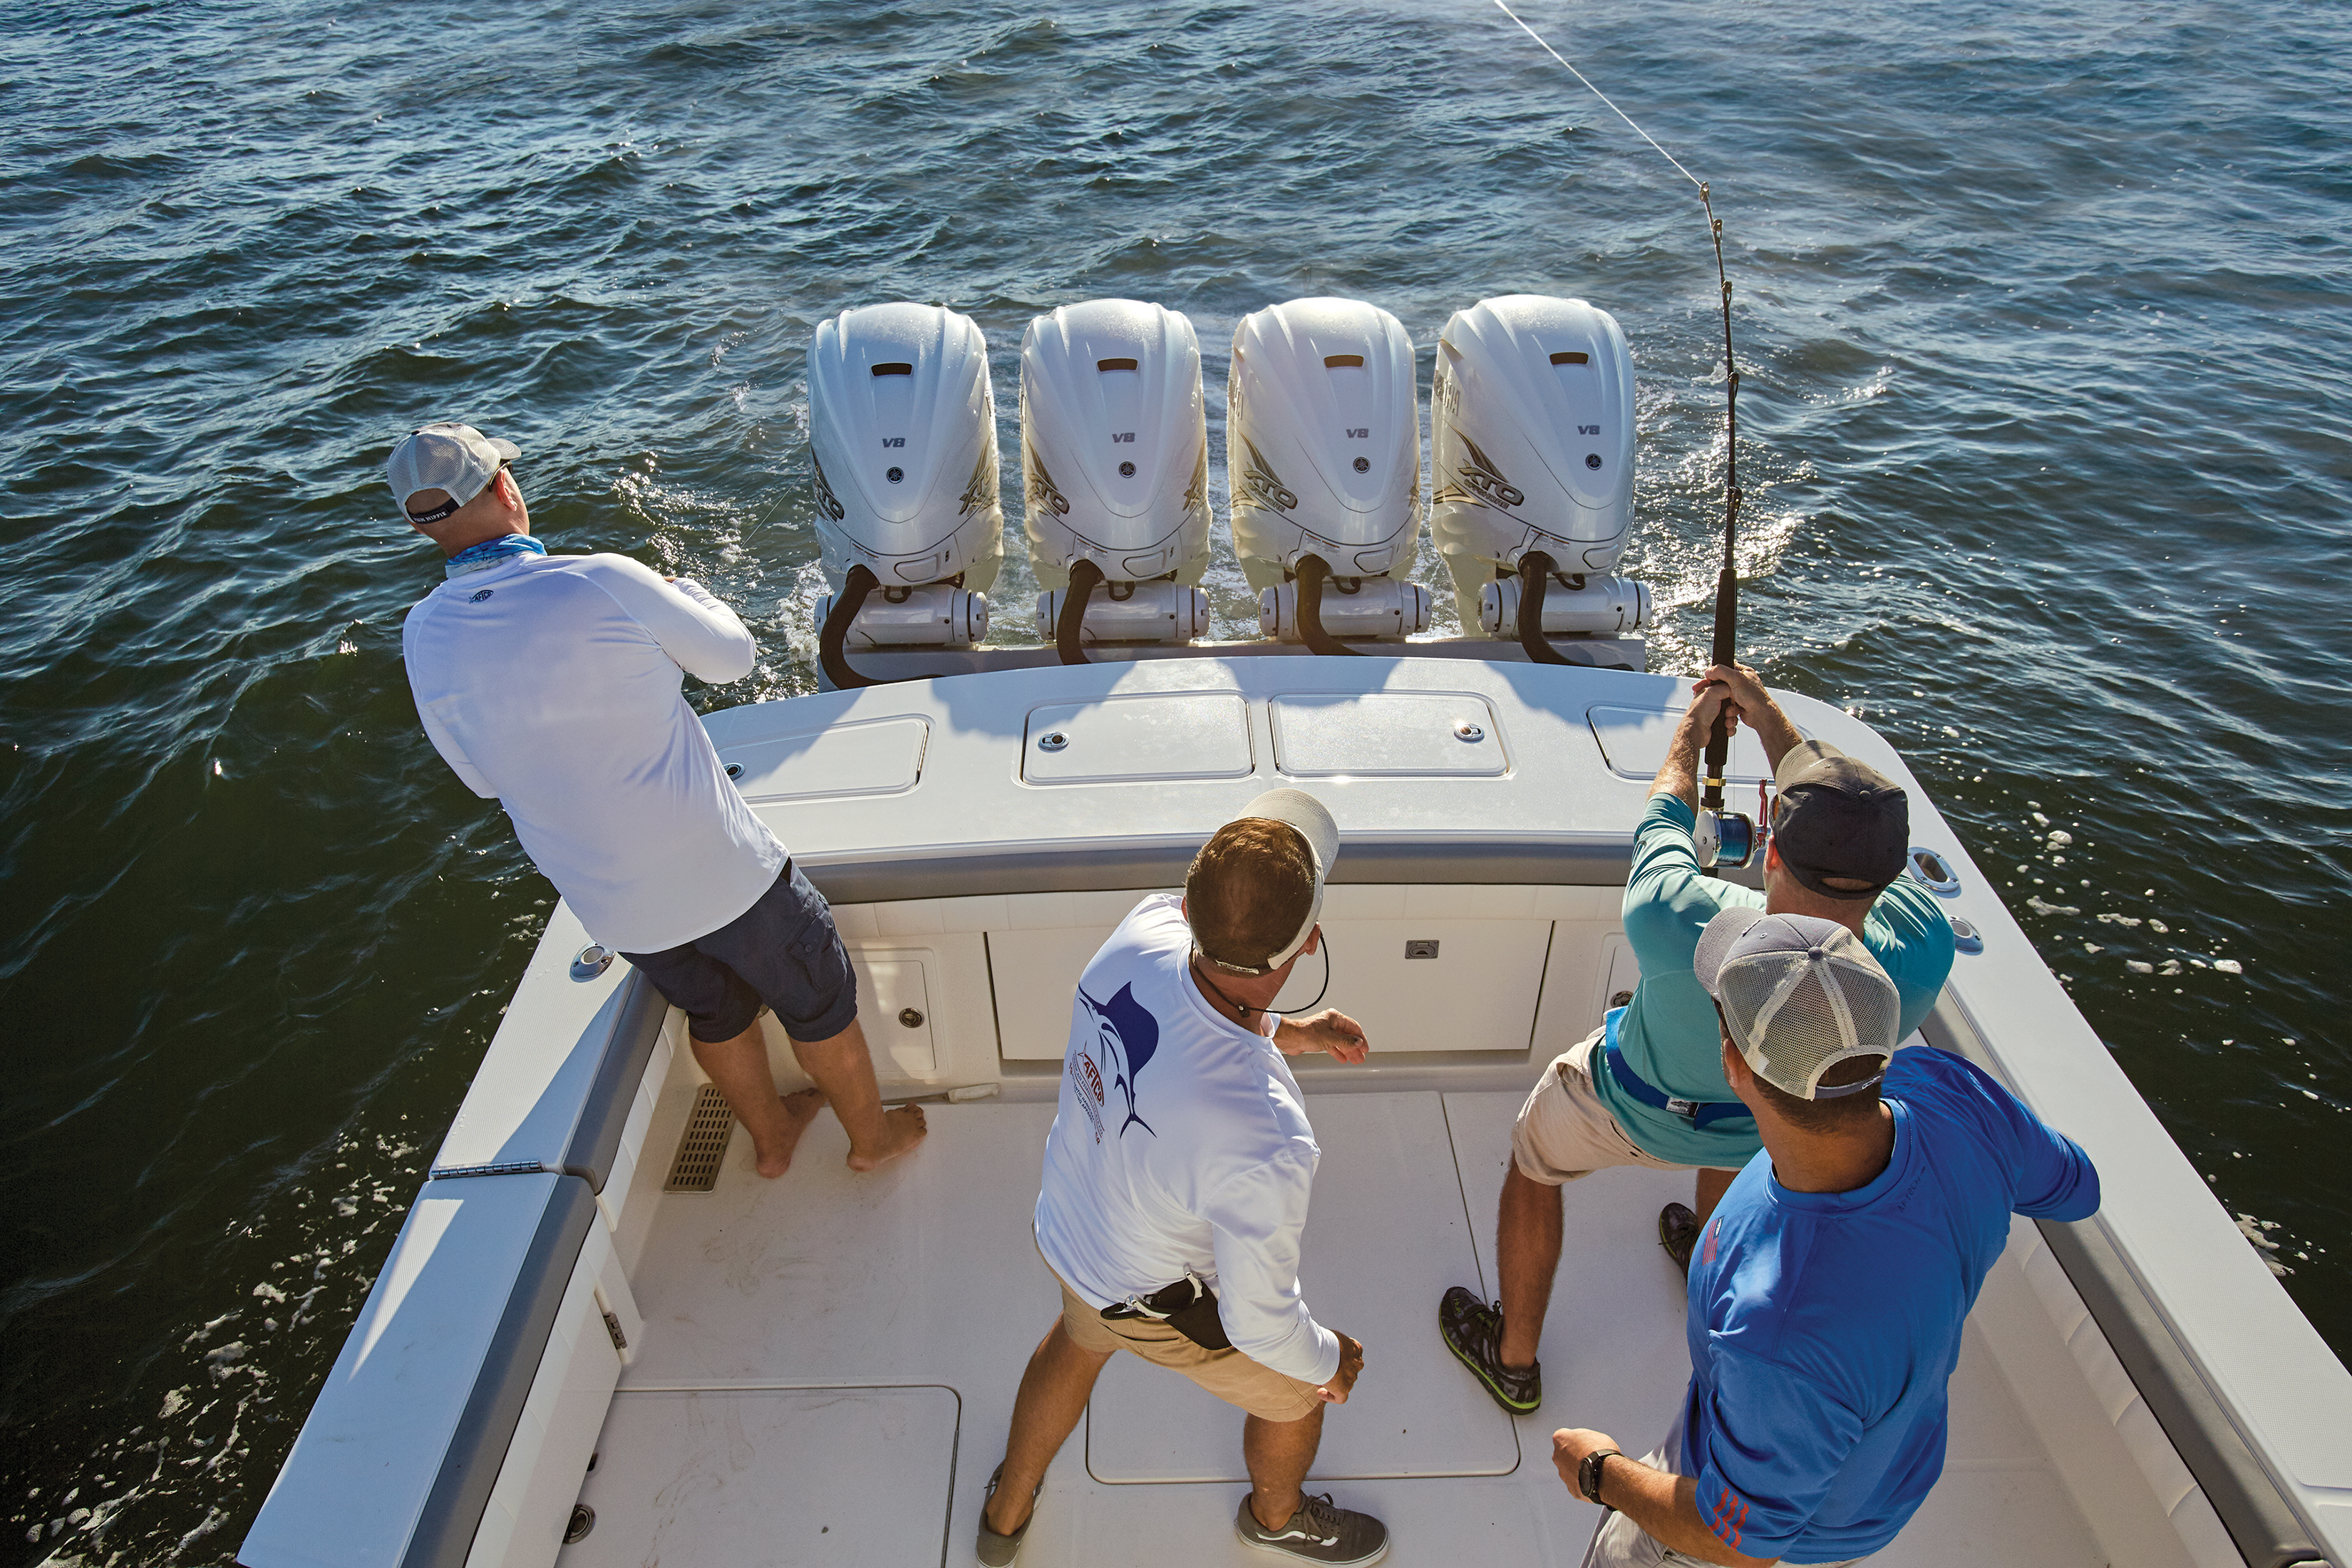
{"x":922,"y":1277}
{"x":742,"y":1476}
{"x":920,"y":1272}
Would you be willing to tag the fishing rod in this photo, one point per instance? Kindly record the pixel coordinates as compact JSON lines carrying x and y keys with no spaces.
{"x":1724,"y":837}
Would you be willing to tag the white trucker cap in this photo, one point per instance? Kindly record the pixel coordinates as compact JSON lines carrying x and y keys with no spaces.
{"x":456,"y":458}
{"x":1294,"y":808}
{"x":1800,"y":996}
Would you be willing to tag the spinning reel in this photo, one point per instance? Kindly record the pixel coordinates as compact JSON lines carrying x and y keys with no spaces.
{"x":1733,"y":838}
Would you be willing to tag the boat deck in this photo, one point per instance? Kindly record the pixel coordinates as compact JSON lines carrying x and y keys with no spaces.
{"x":825,"y":1365}
{"x":829,"y":1363}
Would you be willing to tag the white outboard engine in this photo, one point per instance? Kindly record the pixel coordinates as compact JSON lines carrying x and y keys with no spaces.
{"x":903,"y":439}
{"x":1531,"y":441}
{"x":1115,"y":474}
{"x":1323,"y":454}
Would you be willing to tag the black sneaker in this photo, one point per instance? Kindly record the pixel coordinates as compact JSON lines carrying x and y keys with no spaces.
{"x":1473,"y":1331}
{"x":1318,"y":1532}
{"x":996,"y":1550}
{"x":1678,"y":1233}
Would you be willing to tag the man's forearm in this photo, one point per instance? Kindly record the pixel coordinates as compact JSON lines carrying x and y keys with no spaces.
{"x":1299,"y":1356}
{"x":1772,"y":728}
{"x":1666,"y":1508}
{"x":1678,"y":774}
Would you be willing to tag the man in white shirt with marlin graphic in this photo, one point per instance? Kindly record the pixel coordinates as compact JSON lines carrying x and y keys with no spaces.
{"x":553,"y":684}
{"x":1176,"y":1183}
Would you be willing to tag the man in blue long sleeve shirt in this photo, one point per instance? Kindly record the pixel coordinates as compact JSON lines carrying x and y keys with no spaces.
{"x":1829,"y":1290}
{"x":1645,"y":1088}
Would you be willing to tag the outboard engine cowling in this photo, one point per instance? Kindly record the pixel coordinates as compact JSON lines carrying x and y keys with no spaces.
{"x":903,"y":440}
{"x":1323,"y":455}
{"x":1115,"y":470}
{"x":1531,"y":448}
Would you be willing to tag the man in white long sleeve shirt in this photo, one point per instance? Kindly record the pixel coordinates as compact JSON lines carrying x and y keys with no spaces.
{"x":552,"y":683}
{"x":1176,"y":1183}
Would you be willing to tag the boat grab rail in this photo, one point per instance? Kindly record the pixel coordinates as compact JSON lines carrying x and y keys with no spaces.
{"x":2250,"y":1506}
{"x":2247,"y":1497}
{"x":355,"y":1477}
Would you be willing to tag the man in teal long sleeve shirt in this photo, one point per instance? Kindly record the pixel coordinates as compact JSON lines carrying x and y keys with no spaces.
{"x":1647,"y":1088}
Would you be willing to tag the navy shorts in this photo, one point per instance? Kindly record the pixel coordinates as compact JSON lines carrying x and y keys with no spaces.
{"x":782,"y":951}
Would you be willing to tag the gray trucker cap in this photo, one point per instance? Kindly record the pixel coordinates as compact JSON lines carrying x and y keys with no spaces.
{"x":456,"y":458}
{"x":1800,"y":994}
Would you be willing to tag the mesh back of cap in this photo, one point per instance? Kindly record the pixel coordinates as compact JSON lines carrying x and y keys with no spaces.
{"x":1795,"y":1015}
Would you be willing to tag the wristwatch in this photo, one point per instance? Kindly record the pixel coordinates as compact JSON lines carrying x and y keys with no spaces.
{"x":1587,"y":1473}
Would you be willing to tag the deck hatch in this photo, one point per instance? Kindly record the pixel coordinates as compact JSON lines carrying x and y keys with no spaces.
{"x":1634,"y":743}
{"x":771,"y":1475}
{"x":1140,"y":739}
{"x":1387,"y":735}
{"x":1388,"y":1172}
{"x":703,"y":1145}
{"x":875,"y":756}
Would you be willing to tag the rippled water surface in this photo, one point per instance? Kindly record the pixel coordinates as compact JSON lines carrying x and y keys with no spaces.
{"x":2043,"y":312}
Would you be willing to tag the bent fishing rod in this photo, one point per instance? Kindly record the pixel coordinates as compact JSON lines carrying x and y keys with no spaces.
{"x":1724,"y":837}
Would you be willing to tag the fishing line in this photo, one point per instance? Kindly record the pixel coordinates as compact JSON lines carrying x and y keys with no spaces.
{"x":1712,"y":817}
{"x":1604,"y":97}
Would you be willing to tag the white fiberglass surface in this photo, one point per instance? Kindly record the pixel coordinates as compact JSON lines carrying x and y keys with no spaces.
{"x":847,"y":1476}
{"x":922,"y":1272}
{"x":924,"y":1276}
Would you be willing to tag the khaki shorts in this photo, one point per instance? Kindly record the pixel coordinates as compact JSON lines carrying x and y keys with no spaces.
{"x":1227,"y":1374}
{"x":1564,"y":1132}
{"x":1619,"y":1543}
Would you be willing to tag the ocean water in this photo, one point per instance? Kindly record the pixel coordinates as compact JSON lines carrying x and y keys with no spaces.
{"x":2044,"y":314}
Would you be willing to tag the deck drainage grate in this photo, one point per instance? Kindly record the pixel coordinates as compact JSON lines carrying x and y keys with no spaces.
{"x":703,"y":1145}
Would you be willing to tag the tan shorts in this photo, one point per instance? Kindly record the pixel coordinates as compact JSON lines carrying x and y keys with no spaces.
{"x":1227,"y":1374}
{"x":1619,"y":1543}
{"x":1564,"y":1132}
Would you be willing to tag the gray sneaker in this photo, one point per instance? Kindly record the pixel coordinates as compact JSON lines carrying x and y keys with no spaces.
{"x":999,"y":1551}
{"x":1318,"y":1532}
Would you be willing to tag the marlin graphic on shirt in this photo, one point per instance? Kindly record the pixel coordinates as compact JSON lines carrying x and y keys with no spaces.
{"x":1129,"y":1035}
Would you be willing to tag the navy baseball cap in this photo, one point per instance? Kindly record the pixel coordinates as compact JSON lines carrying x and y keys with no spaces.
{"x":1838,"y":817}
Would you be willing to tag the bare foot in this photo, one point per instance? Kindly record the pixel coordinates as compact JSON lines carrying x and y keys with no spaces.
{"x":800,"y":1110}
{"x":901,"y":1130}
